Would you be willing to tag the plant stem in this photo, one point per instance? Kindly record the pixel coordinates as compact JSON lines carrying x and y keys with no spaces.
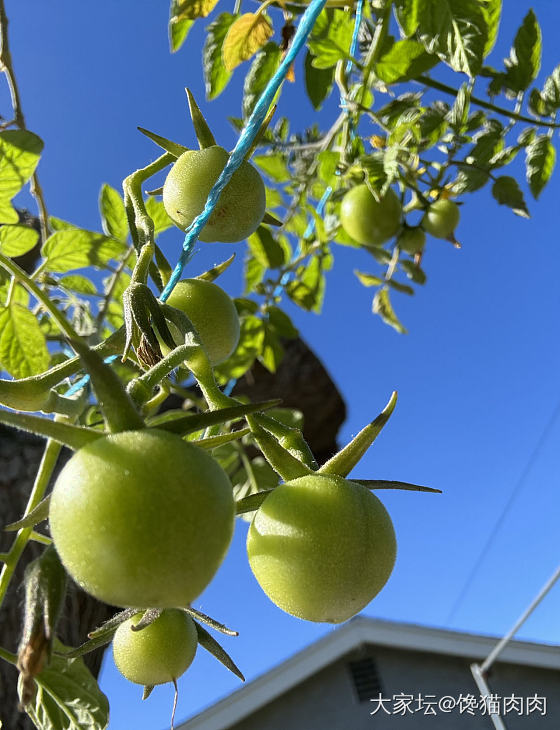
{"x":7,"y":68}
{"x":427,"y":81}
{"x":46,"y":467}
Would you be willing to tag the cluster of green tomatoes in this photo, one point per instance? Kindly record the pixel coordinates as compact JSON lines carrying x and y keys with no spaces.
{"x":143,"y":519}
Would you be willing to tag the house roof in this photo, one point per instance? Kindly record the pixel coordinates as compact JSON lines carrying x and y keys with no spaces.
{"x":351,"y":635}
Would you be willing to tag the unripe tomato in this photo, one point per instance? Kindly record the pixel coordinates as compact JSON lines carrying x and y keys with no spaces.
{"x":212,"y":313}
{"x":142,"y":518}
{"x":321,"y":547}
{"x":367,"y":221}
{"x":241,"y":205}
{"x":411,"y":240}
{"x":158,"y":653}
{"x":441,"y":218}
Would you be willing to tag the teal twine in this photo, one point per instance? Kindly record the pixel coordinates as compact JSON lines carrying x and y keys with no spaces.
{"x":349,"y":63}
{"x":83,"y":381}
{"x":245,"y":140}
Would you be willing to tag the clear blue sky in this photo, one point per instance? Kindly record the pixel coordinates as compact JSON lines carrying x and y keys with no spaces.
{"x":477,"y":375}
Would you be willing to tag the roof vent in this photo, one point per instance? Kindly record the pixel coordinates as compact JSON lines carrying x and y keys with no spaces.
{"x":366,"y":679}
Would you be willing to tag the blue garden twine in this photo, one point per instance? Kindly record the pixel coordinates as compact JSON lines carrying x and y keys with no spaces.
{"x":245,"y":140}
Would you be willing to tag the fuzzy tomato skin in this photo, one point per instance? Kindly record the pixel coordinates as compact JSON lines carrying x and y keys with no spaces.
{"x":241,"y":205}
{"x":158,"y":653}
{"x":321,"y":547}
{"x":368,"y":221}
{"x":441,"y":218}
{"x":212,"y":313}
{"x":142,"y":518}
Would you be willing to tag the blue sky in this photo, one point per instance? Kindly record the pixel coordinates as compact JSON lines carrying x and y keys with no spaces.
{"x":477,"y":375}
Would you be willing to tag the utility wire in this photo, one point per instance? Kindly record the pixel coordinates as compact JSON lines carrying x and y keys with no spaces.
{"x":517,"y":488}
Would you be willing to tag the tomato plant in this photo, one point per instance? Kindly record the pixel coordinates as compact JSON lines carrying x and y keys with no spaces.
{"x":241,"y":205}
{"x":441,"y":218}
{"x":158,"y":653}
{"x":369,"y":221}
{"x":121,"y":488}
{"x":411,"y":240}
{"x":321,"y":547}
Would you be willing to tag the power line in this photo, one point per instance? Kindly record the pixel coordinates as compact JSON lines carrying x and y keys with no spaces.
{"x":517,"y":488}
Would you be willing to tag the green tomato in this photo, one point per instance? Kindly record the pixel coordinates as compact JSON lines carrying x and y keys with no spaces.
{"x":321,"y":547}
{"x":411,"y":240}
{"x":368,"y":221}
{"x":142,"y":518}
{"x":213,"y":315}
{"x":158,"y":653}
{"x":240,"y":208}
{"x":441,"y":218}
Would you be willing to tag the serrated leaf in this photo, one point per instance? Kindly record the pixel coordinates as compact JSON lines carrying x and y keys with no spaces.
{"x":78,"y":283}
{"x":456,"y":30}
{"x":113,"y":214}
{"x":68,"y":697}
{"x":383,"y":307}
{"x":262,"y":69}
{"x":75,"y":248}
{"x":404,"y":61}
{"x":17,"y":240}
{"x":216,"y":76}
{"x":540,"y":160}
{"x":506,"y":191}
{"x":318,"y":82}
{"x":23,"y":350}
{"x":274,"y":166}
{"x":331,"y":38}
{"x":265,"y":248}
{"x":244,"y":38}
{"x":20,"y":151}
{"x":524,"y":59}
{"x":156,"y":210}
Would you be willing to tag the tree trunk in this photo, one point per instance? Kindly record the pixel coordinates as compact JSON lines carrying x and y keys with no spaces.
{"x":20,"y":455}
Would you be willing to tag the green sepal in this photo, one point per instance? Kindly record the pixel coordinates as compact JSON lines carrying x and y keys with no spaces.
{"x":37,"y":515}
{"x":213,"y":273}
{"x":290,"y":438}
{"x":251,"y":502}
{"x":183,"y":425}
{"x":280,"y":459}
{"x":374,"y":484}
{"x":212,"y":442}
{"x":75,"y":437}
{"x":147,"y":691}
{"x":346,"y":459}
{"x":116,"y":405}
{"x":216,"y":625}
{"x":103,"y":634}
{"x":271,"y":220}
{"x":202,"y":130}
{"x":210,"y":644}
{"x":174,"y":148}
{"x":149,"y":616}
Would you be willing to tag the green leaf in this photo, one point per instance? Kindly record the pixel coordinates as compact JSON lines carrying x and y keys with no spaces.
{"x":23,"y":350}
{"x":245,"y":36}
{"x":383,"y":307}
{"x":318,"y":82}
{"x":524,"y":59}
{"x":456,"y":30}
{"x":262,"y":69}
{"x":8,"y":214}
{"x":182,"y":15}
{"x":368,"y":279}
{"x":273,"y":352}
{"x":68,"y":697}
{"x":268,"y":252}
{"x":113,"y":214}
{"x":493,"y":11}
{"x":540,"y":160}
{"x":57,"y":224}
{"x":78,"y":283}
{"x":308,"y":288}
{"x":216,"y":76}
{"x":178,"y":31}
{"x":331,"y":38}
{"x":253,"y":274}
{"x":274,"y":166}
{"x":551,"y":89}
{"x":17,"y":240}
{"x":459,"y":112}
{"x":75,"y":248}
{"x":404,"y":61}
{"x":506,"y":191}
{"x":19,"y":155}
{"x":250,"y":346}
{"x":281,"y":322}
{"x":155,"y":209}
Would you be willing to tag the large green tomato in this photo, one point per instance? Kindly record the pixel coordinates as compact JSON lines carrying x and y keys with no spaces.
{"x":441,"y":218}
{"x":142,"y":518}
{"x":321,"y":547}
{"x":212,"y":313}
{"x":368,"y":221}
{"x":241,"y":205}
{"x":158,"y":653}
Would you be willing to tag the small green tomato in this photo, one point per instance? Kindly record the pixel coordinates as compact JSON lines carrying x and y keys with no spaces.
{"x":368,"y":221}
{"x":411,"y":240}
{"x":158,"y":653}
{"x":441,"y":218}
